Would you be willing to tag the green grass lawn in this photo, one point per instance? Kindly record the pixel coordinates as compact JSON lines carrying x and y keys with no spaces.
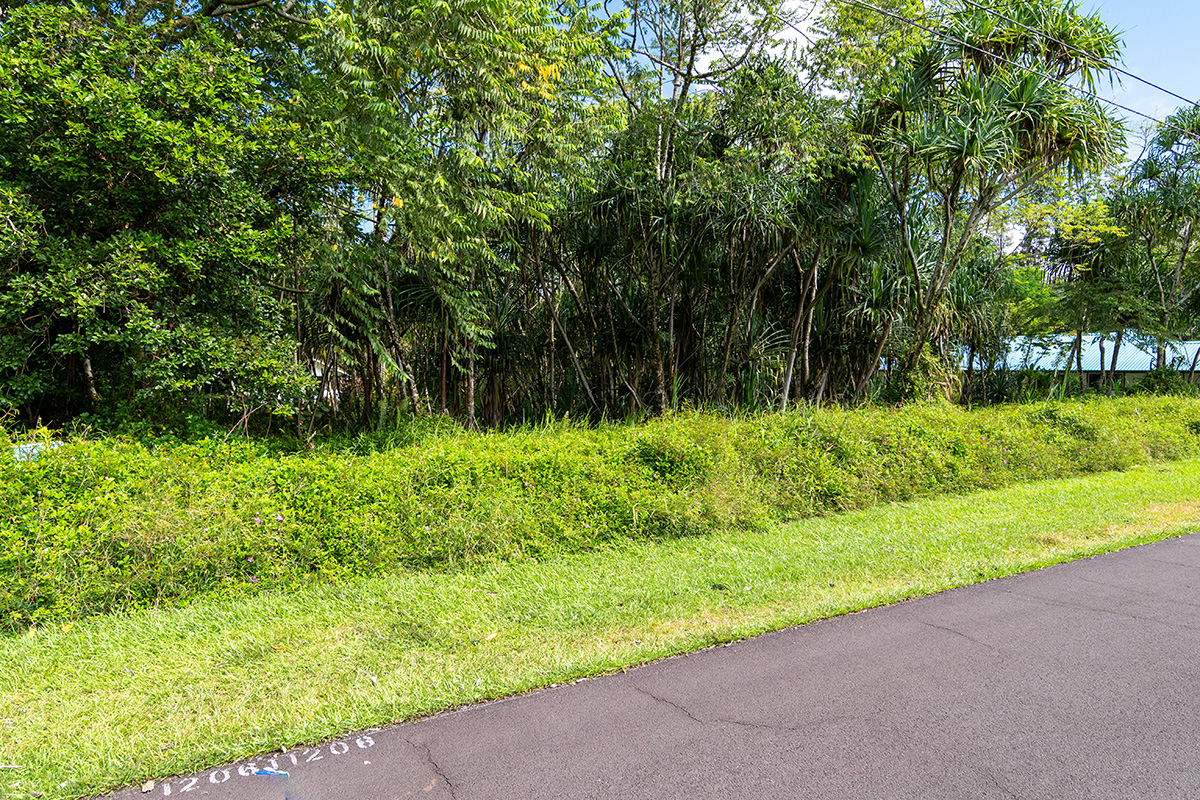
{"x":88,"y":706}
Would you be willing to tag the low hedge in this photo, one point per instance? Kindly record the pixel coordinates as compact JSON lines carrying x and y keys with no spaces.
{"x":98,"y":526}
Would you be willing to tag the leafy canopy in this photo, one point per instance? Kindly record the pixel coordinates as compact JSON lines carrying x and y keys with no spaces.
{"x":148,"y":192}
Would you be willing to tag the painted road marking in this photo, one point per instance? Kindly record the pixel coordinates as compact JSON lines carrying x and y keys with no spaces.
{"x":269,"y":764}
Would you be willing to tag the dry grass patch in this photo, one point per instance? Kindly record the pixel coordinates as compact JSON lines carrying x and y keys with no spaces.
{"x":1151,"y":521}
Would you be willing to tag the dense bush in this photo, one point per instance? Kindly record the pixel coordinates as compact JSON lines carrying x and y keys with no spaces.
{"x":1165,"y":381}
{"x":161,"y":194}
{"x":99,"y":526}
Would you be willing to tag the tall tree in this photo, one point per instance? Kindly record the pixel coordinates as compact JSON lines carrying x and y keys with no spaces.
{"x":984,"y":108}
{"x":1159,"y":205}
{"x":670,"y":50}
{"x":448,"y":113}
{"x":155,"y":194}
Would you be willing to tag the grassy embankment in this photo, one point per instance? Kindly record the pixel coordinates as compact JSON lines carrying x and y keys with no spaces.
{"x":93,"y":700}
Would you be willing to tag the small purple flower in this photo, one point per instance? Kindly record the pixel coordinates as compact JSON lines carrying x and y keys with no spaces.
{"x":254,"y":579}
{"x":249,"y":558}
{"x":279,"y":517}
{"x":585,"y":524}
{"x":426,"y":527}
{"x":258,"y":520}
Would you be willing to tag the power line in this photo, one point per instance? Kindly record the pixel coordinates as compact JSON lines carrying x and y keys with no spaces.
{"x":954,"y":40}
{"x":1118,"y":70}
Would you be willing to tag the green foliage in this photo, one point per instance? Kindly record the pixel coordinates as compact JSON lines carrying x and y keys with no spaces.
{"x":974,"y":119}
{"x":1165,"y":381}
{"x":1158,"y":203}
{"x":150,"y":194}
{"x":99,"y":526}
{"x":453,"y":118}
{"x":503,"y":211}
{"x":861,"y":47}
{"x":670,"y":457}
{"x":929,"y":379}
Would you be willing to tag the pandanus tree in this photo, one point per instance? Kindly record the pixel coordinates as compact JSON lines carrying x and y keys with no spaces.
{"x":992,"y":100}
{"x":1159,"y":206}
{"x":672,"y":49}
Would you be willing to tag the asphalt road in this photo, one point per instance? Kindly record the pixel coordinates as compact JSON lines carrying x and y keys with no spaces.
{"x":1078,"y":681}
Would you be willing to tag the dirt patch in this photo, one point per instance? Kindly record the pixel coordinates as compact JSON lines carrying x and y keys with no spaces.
{"x":1176,"y":512}
{"x":1149,"y":520}
{"x":1156,"y":518}
{"x":1056,"y":540}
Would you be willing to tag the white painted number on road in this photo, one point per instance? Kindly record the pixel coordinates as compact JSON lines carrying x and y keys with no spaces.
{"x":247,"y":769}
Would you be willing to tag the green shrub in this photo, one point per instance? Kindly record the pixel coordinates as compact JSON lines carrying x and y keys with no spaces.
{"x":118,"y":524}
{"x":1166,"y":381}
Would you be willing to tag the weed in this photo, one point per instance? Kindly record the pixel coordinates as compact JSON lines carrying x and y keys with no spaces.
{"x":97,"y":526}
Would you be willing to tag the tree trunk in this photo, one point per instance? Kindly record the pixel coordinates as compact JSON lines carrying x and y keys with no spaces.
{"x":970,"y":388}
{"x":793,"y":347}
{"x":471,"y":423}
{"x":90,"y":380}
{"x":367,"y":374}
{"x":1067,"y":369}
{"x":1110,"y":381}
{"x":445,"y":368}
{"x":673,"y":357}
{"x":822,"y":383}
{"x":660,"y":372}
{"x":873,"y":364}
{"x":553,"y":391}
{"x":555,"y":323}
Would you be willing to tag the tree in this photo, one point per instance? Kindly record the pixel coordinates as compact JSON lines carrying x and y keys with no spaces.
{"x":983,"y":110}
{"x":670,"y":49}
{"x":450,"y":117}
{"x":1159,"y":205}
{"x":152,"y":195}
{"x":1083,"y":270}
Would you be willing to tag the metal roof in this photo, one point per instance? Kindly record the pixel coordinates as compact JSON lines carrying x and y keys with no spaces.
{"x":1137,"y":354}
{"x":28,"y":452}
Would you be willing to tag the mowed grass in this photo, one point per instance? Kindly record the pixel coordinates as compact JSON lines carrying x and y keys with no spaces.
{"x":110,"y":701}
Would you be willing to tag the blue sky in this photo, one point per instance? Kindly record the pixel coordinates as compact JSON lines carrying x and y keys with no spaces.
{"x":1162,"y":44}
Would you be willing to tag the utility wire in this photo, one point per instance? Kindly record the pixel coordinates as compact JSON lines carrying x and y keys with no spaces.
{"x":954,"y":40}
{"x":1118,"y":70}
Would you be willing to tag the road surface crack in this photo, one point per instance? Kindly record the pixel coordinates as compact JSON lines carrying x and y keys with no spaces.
{"x":675,"y":706}
{"x":972,"y":639}
{"x":432,"y":762}
{"x":807,"y":726}
{"x":1009,"y":792}
{"x":1101,"y":610}
{"x":1156,"y":596}
{"x":754,"y":725}
{"x":1169,"y":563}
